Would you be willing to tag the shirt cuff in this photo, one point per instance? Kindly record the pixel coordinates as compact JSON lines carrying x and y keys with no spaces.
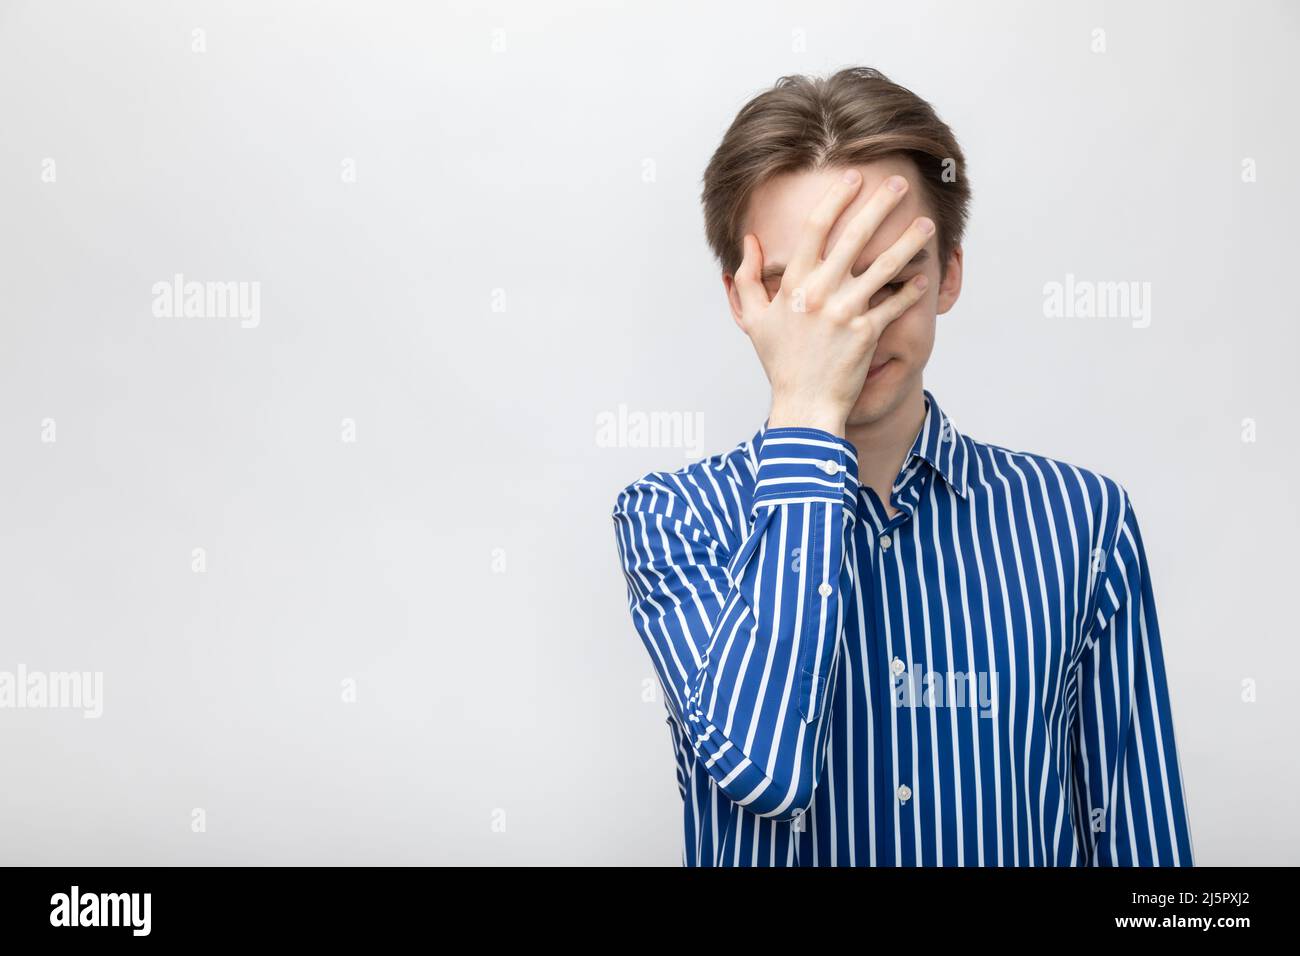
{"x":806,"y":464}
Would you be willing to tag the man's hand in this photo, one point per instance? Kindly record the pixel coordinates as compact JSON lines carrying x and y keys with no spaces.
{"x":817,"y":335}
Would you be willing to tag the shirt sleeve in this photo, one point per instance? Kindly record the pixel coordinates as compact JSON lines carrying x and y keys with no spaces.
{"x":745,"y":641}
{"x":1128,"y":783}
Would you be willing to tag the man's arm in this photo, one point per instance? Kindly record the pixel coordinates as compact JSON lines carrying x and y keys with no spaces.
{"x":1127,"y":776}
{"x":745,"y":644}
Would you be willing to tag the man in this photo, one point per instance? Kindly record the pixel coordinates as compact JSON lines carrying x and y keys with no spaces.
{"x":881,"y":641}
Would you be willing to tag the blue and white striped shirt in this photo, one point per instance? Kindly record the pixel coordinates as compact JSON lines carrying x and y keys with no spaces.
{"x":977,"y":680}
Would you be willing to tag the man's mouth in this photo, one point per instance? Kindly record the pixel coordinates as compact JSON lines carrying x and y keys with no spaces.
{"x":875,"y":369}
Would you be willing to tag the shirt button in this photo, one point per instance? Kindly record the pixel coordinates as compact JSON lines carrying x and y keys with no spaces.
{"x":898,"y":666}
{"x":825,"y":589}
{"x":831,"y":466}
{"x":886,"y":542}
{"x":904,"y":793}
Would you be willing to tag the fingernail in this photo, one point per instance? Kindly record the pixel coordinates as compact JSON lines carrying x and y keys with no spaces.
{"x":897,"y":183}
{"x":921,"y":282}
{"x":925,"y":225}
{"x":850,"y":175}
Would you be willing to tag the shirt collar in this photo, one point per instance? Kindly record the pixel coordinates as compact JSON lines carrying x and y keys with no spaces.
{"x":939,"y":443}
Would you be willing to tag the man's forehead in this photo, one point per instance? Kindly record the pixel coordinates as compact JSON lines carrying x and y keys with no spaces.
{"x":779,"y":208}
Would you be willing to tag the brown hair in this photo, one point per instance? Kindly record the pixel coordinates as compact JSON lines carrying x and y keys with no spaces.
{"x":806,"y":123}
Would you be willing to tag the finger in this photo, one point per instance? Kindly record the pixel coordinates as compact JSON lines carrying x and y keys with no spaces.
{"x":749,"y":279}
{"x":808,"y":253}
{"x":882,"y":315}
{"x":890,"y":262}
{"x":850,"y":243}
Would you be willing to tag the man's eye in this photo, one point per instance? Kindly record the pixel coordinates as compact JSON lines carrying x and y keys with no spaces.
{"x":897,"y":284}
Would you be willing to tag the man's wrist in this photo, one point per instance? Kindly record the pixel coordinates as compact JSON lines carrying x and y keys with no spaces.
{"x":788,"y":415}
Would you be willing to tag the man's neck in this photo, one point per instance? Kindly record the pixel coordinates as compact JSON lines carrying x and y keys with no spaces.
{"x":883,"y":445}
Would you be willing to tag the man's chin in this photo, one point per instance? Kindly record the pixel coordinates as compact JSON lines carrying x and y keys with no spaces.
{"x":879,"y":399}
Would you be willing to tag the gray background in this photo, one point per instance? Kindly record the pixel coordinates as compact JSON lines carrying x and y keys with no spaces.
{"x":522,"y":174}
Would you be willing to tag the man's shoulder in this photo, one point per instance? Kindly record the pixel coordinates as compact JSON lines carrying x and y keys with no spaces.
{"x":1055,"y":484}
{"x":711,"y":483}
{"x":1000,"y":458}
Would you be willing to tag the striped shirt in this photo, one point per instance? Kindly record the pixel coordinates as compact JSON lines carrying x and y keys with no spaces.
{"x":975,"y":681}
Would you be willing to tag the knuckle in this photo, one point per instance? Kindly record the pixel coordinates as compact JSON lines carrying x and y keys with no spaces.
{"x":885,"y":202}
{"x":838,"y":312}
{"x":855,"y":236}
{"x":797,"y":297}
{"x":820,"y":219}
{"x":814,"y":296}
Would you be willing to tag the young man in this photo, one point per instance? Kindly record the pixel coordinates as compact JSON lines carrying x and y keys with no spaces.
{"x":881,"y":641}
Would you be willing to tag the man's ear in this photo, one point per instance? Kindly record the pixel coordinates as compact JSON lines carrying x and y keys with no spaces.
{"x":950,"y":287}
{"x":733,"y":299}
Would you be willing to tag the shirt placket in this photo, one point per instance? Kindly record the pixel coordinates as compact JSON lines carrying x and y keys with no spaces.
{"x":895,"y":800}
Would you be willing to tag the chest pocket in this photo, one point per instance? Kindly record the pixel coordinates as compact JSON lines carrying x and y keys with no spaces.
{"x":812,"y":693}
